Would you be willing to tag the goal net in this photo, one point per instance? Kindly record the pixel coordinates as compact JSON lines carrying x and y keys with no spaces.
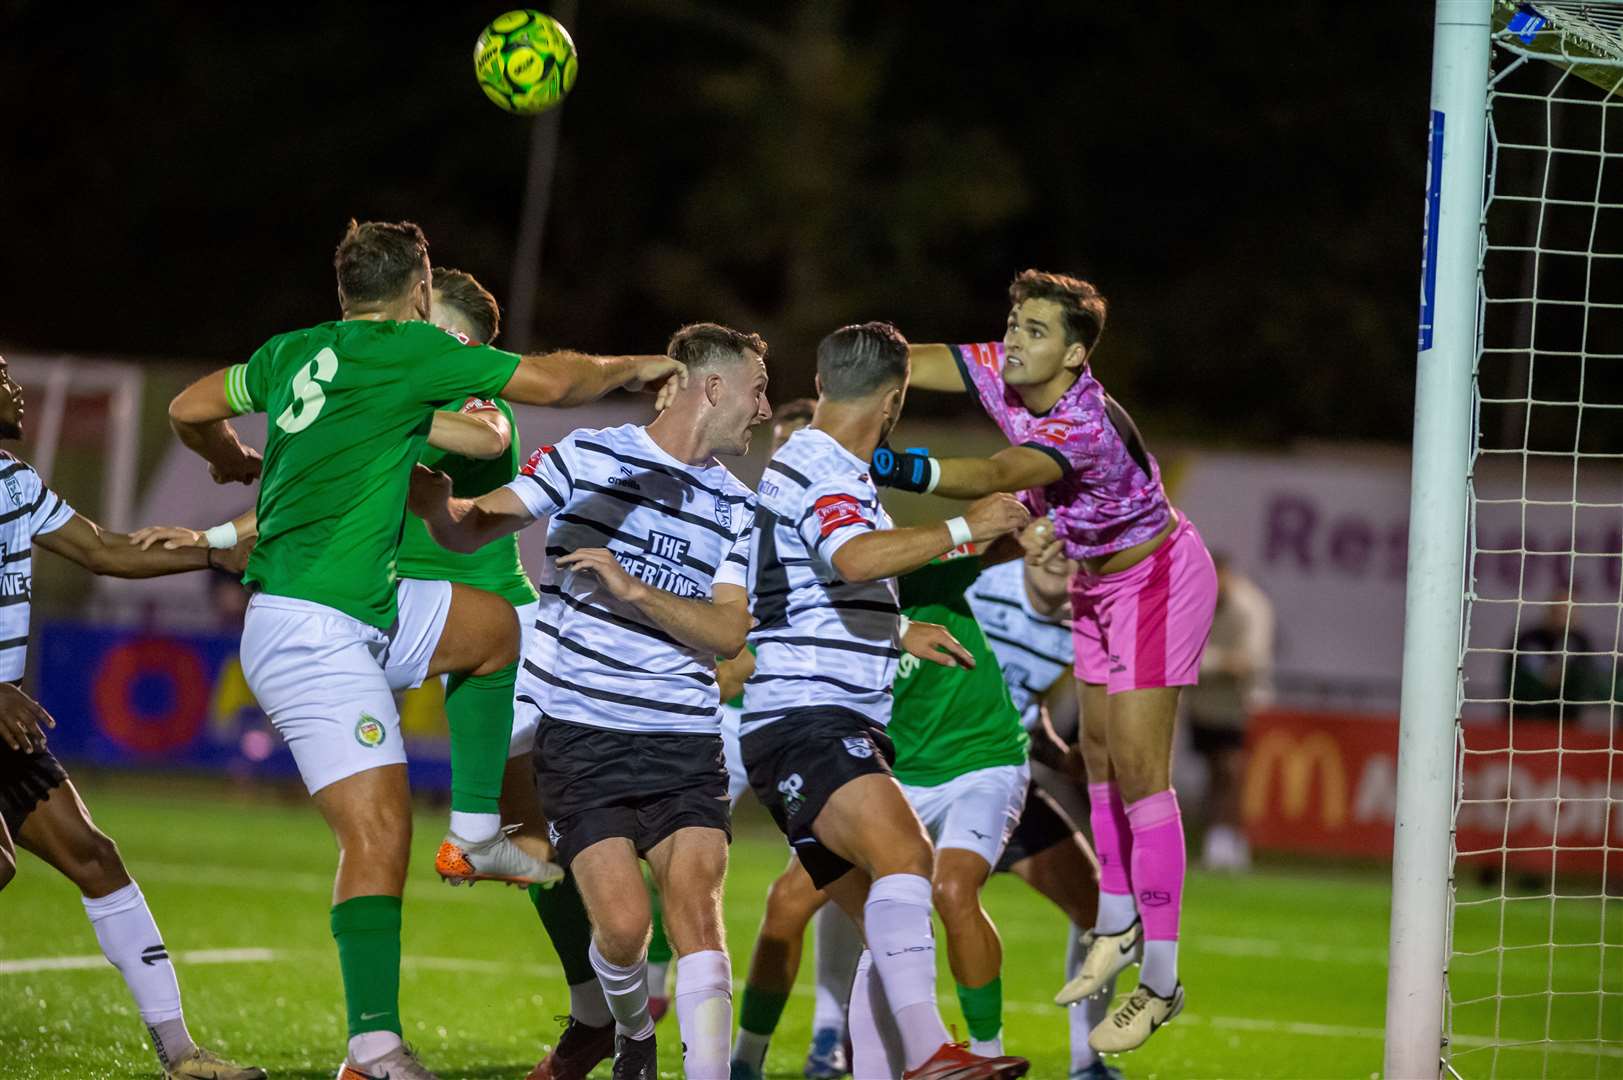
{"x":1534,"y":982}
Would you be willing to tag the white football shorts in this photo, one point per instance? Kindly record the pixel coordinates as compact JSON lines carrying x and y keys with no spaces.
{"x":319,"y":676}
{"x":976,"y":811}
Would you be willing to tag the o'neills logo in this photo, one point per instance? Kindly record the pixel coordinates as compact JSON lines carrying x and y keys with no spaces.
{"x":1294,"y":761}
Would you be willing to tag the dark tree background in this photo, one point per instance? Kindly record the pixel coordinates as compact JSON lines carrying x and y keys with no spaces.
{"x":1243,"y":181}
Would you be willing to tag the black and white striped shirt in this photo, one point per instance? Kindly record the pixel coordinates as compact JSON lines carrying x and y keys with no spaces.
{"x":27,"y":509}
{"x":592,"y":659}
{"x":819,"y":641}
{"x":1033,"y":650}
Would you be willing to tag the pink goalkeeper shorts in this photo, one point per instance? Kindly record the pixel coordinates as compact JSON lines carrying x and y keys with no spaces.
{"x":1146,"y":626}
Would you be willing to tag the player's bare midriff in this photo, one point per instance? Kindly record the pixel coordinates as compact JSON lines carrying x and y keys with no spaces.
{"x":1127,"y":558}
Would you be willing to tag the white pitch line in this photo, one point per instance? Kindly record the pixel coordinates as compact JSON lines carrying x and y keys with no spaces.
{"x":1028,"y":1008}
{"x":428,"y":888}
{"x":35,"y":964}
{"x":258,"y":879}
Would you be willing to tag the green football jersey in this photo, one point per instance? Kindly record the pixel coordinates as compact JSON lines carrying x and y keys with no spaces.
{"x":945,"y":721}
{"x":496,"y":567}
{"x":349,"y":406}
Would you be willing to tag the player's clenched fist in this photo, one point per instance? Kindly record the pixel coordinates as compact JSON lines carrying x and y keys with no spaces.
{"x":430,"y":490}
{"x":928,"y":641}
{"x":243,"y":469}
{"x":990,"y":517}
{"x":22,"y":722}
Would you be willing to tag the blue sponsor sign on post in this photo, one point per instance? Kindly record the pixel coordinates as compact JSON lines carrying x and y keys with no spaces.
{"x":1428,"y":256}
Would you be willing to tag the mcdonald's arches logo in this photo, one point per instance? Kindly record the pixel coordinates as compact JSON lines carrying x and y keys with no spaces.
{"x":1290,"y":762}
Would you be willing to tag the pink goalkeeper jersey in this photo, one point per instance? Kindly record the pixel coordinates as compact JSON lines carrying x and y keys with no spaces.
{"x":1110,"y":496}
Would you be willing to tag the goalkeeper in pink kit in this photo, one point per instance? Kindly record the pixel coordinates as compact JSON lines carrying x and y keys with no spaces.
{"x":1142,"y":604}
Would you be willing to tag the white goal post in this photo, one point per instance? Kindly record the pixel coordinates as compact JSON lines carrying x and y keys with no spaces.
{"x":1506,"y":945}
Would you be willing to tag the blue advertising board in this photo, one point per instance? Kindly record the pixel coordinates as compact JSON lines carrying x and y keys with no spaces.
{"x":131,"y":698}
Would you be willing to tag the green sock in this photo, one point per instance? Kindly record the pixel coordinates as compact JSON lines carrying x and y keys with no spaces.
{"x":983,"y":1009}
{"x":367,"y":929}
{"x":761,"y":1010}
{"x":563,"y":913}
{"x":479,"y":712}
{"x":659,"y":946}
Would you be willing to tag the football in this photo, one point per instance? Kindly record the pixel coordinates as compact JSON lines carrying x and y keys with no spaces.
{"x":525,"y":61}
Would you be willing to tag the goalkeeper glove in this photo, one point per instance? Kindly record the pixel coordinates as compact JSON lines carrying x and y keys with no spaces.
{"x":911,"y":470}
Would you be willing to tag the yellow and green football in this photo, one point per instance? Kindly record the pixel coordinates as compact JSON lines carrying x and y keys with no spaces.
{"x":525,"y":61}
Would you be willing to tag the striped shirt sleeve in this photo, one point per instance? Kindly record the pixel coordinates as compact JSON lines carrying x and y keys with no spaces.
{"x":48,"y":511}
{"x":546,"y":483}
{"x":832,"y":514}
{"x":735,"y":568}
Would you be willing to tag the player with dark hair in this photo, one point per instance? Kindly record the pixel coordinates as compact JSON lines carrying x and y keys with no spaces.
{"x":827,"y":638}
{"x":351,"y":403}
{"x":469,"y":301}
{"x":1142,"y":601}
{"x":957,"y":735}
{"x":458,"y":634}
{"x":647,"y":555}
{"x":40,"y":810}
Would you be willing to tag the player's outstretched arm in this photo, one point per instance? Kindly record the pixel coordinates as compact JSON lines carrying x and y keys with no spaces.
{"x":887,"y":553}
{"x":200,"y":416}
{"x":117,"y":555}
{"x":935,"y":643}
{"x":239,"y":530}
{"x":1015,"y":469}
{"x":565,"y":379}
{"x":482,"y":434}
{"x":717,"y":626}
{"x":464,"y":524}
{"x":935,"y":367}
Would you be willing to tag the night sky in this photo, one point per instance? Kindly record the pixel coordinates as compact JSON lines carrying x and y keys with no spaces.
{"x":1244,"y":182}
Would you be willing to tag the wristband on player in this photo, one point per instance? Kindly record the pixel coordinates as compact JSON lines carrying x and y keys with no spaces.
{"x":906,"y":625}
{"x":911,"y":470}
{"x":959,"y":530}
{"x":221,"y":536}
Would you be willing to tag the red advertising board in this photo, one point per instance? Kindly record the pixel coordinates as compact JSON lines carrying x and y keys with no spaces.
{"x":1326,"y":783}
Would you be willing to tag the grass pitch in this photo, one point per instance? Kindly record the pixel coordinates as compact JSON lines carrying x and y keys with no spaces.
{"x":1285,"y":969}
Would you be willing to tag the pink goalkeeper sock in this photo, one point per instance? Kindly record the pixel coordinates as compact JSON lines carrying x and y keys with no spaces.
{"x":1158,"y":861}
{"x":1113,"y":842}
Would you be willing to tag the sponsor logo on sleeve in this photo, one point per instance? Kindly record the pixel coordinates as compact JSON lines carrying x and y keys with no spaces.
{"x":837,"y":511}
{"x":475,"y":404}
{"x":534,"y":462}
{"x":985,"y":355}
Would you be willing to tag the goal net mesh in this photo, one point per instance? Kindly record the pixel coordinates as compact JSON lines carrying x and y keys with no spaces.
{"x":1535,"y":979}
